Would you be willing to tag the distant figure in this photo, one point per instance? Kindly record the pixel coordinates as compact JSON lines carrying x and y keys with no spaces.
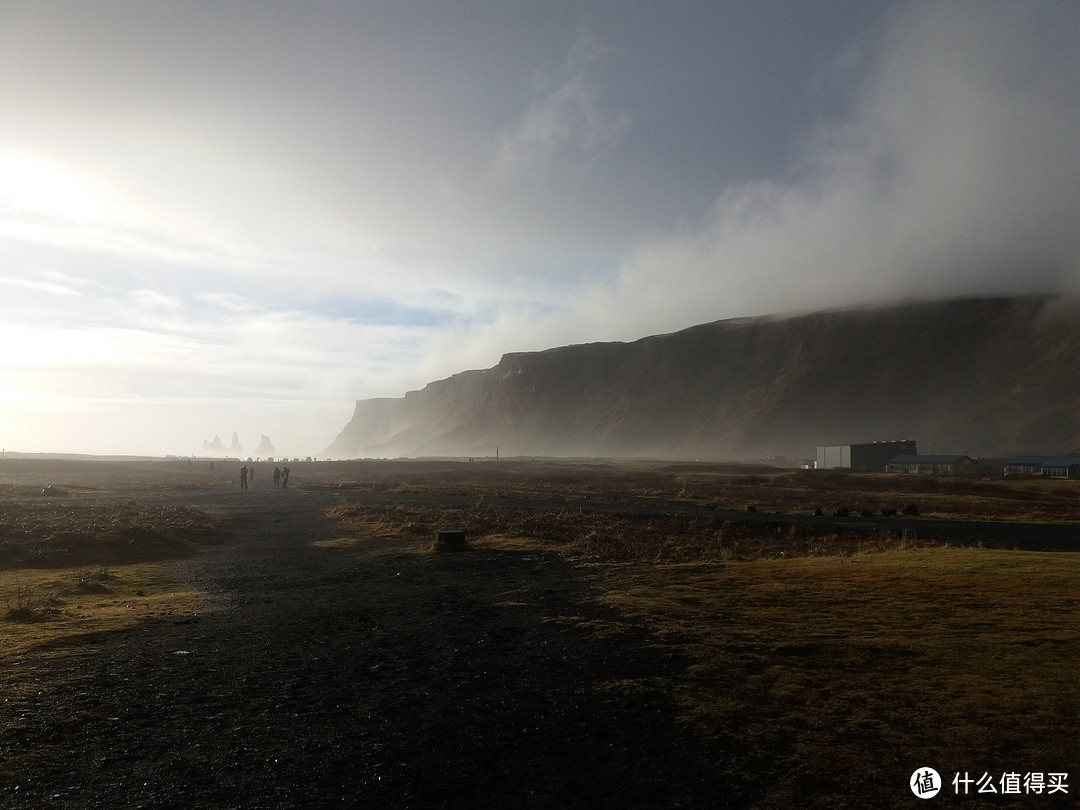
{"x":243,"y":477}
{"x":251,"y":473}
{"x":285,"y":478}
{"x":211,"y":468}
{"x":277,"y":476}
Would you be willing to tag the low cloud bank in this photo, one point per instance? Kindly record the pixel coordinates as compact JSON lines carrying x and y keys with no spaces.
{"x":955,"y":173}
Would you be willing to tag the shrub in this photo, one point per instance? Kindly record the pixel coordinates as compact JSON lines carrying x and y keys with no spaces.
{"x":28,"y":606}
{"x":93,"y":581}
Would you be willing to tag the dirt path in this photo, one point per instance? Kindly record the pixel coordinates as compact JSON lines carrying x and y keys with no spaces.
{"x":372,"y":676}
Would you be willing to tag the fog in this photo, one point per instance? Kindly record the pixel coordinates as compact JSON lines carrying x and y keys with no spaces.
{"x":243,"y":219}
{"x":955,"y":173}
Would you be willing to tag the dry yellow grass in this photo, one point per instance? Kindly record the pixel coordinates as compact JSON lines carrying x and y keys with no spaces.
{"x":616,"y":538}
{"x":63,"y":605}
{"x":770,"y":489}
{"x":831,"y":673}
{"x":71,"y":567}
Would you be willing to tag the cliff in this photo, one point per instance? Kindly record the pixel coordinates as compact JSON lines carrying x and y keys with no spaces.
{"x":984,"y":376}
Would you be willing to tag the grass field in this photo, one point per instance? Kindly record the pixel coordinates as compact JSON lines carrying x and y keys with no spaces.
{"x":726,"y":485}
{"x":71,"y":565}
{"x":823,"y":665}
{"x":43,"y":612}
{"x":826,"y":669}
{"x":829,"y":667}
{"x":832,"y":671}
{"x":613,"y":538}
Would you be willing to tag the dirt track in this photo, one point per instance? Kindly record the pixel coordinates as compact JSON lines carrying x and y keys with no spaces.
{"x":378,"y":676}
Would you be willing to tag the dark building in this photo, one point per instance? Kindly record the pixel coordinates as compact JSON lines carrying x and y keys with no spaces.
{"x":870,"y":457}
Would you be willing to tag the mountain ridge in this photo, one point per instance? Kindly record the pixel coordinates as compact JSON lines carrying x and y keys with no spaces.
{"x":982,"y":376}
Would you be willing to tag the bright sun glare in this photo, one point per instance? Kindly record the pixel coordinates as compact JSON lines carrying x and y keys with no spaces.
{"x":32,"y":186}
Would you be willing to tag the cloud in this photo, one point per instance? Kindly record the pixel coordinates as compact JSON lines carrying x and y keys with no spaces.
{"x":565,"y":120}
{"x":953,"y":170}
{"x":956,"y":173}
{"x":156,"y":370}
{"x":50,"y":287}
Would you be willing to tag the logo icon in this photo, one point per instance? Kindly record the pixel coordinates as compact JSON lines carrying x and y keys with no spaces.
{"x":925,"y":783}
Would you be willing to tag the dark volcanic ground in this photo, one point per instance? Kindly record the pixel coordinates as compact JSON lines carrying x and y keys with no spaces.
{"x":381,"y":675}
{"x":375,"y":676}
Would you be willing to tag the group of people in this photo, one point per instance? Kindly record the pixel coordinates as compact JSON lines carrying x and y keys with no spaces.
{"x":247,"y":474}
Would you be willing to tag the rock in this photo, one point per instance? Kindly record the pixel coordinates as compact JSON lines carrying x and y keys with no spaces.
{"x":450,"y":540}
{"x":601,"y":399}
{"x":215,"y":446}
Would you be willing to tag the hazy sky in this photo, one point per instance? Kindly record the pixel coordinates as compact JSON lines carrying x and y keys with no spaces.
{"x":242,"y":216}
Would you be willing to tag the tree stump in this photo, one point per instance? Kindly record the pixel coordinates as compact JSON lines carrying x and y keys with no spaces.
{"x":450,"y":540}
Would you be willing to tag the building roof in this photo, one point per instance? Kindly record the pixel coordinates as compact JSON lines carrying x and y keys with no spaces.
{"x":1044,"y":461}
{"x":907,"y":459}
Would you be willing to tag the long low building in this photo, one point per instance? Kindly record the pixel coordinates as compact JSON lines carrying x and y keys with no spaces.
{"x":934,"y":465}
{"x":1021,"y":466}
{"x":902,"y":457}
{"x":1043,"y":466}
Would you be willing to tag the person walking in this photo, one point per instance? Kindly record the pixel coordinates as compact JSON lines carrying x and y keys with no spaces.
{"x":243,"y":477}
{"x":277,"y":476}
{"x":285,"y":478}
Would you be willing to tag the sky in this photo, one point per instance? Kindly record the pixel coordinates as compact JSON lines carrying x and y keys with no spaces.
{"x":224,"y":216}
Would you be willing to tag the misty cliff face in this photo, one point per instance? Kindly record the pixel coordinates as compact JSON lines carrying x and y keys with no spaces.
{"x":976,"y":376}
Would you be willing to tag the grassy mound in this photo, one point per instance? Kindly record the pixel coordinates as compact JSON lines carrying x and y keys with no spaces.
{"x":70,"y":532}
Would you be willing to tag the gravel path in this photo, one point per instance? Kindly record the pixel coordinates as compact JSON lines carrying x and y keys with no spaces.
{"x":374,"y":676}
